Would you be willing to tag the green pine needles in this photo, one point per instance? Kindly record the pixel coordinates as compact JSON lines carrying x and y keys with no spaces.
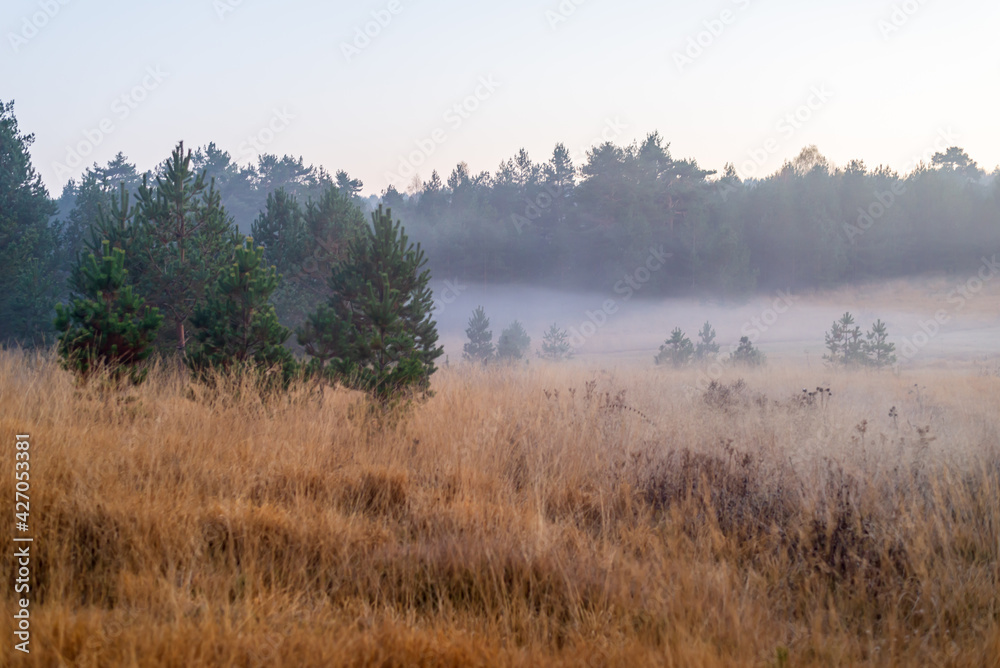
{"x":236,"y":328}
{"x":376,"y":334}
{"x":106,"y":325}
{"x":514,"y":343}
{"x":556,"y":345}
{"x":480,"y":345}
{"x":848,"y":347}
{"x":677,"y":350}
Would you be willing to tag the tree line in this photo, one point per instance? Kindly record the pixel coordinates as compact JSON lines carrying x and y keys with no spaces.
{"x":162,"y":266}
{"x":553,"y":223}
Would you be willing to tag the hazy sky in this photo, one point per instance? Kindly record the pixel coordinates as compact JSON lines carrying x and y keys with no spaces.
{"x":743,"y":81}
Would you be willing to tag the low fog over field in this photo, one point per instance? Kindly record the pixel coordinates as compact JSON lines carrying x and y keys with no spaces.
{"x":928,"y":319}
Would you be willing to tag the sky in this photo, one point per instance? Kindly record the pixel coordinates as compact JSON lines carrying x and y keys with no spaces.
{"x":389,"y":89}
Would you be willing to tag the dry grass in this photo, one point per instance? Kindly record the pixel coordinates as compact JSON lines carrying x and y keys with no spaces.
{"x":549,"y":515}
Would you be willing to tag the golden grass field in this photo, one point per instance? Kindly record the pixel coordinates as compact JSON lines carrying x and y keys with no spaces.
{"x":546,"y":515}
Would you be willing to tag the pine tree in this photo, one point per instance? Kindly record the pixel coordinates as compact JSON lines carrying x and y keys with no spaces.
{"x":325,"y":336}
{"x":236,"y":329}
{"x":115,"y":224}
{"x":332,"y":223}
{"x":186,"y":238}
{"x":281,"y":230}
{"x":555,"y":344}
{"x":30,"y":302}
{"x":480,"y":345}
{"x":28,"y":242}
{"x":304,"y":245}
{"x":377,"y":334}
{"x":877,"y":349}
{"x":706,"y":344}
{"x":845,"y":343}
{"x":676,"y":350}
{"x":106,"y":324}
{"x":747,"y":354}
{"x":513,"y":343}
{"x":99,"y":191}
{"x":349,"y":188}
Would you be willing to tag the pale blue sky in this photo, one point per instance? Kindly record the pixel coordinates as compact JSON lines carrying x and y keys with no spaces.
{"x":231,"y":70}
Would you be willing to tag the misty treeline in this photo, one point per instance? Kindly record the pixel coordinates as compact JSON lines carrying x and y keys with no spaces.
{"x":555,"y":223}
{"x":593,"y":225}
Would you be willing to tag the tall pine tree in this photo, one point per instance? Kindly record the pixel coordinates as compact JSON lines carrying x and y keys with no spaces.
{"x":28,"y":242}
{"x":377,"y":334}
{"x":186,"y":238}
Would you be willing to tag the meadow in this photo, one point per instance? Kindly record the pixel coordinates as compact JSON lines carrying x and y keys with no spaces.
{"x":568,"y":515}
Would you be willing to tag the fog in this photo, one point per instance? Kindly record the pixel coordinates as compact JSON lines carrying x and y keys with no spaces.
{"x":928,"y":320}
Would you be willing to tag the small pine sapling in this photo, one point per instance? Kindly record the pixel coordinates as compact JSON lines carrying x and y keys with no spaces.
{"x":877,"y":349}
{"x":514,"y":343}
{"x":555,"y":344}
{"x":237,"y":329}
{"x":677,"y":350}
{"x":480,"y":346}
{"x":747,"y":354}
{"x":706,"y":345}
{"x":845,"y":343}
{"x":106,"y":324}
